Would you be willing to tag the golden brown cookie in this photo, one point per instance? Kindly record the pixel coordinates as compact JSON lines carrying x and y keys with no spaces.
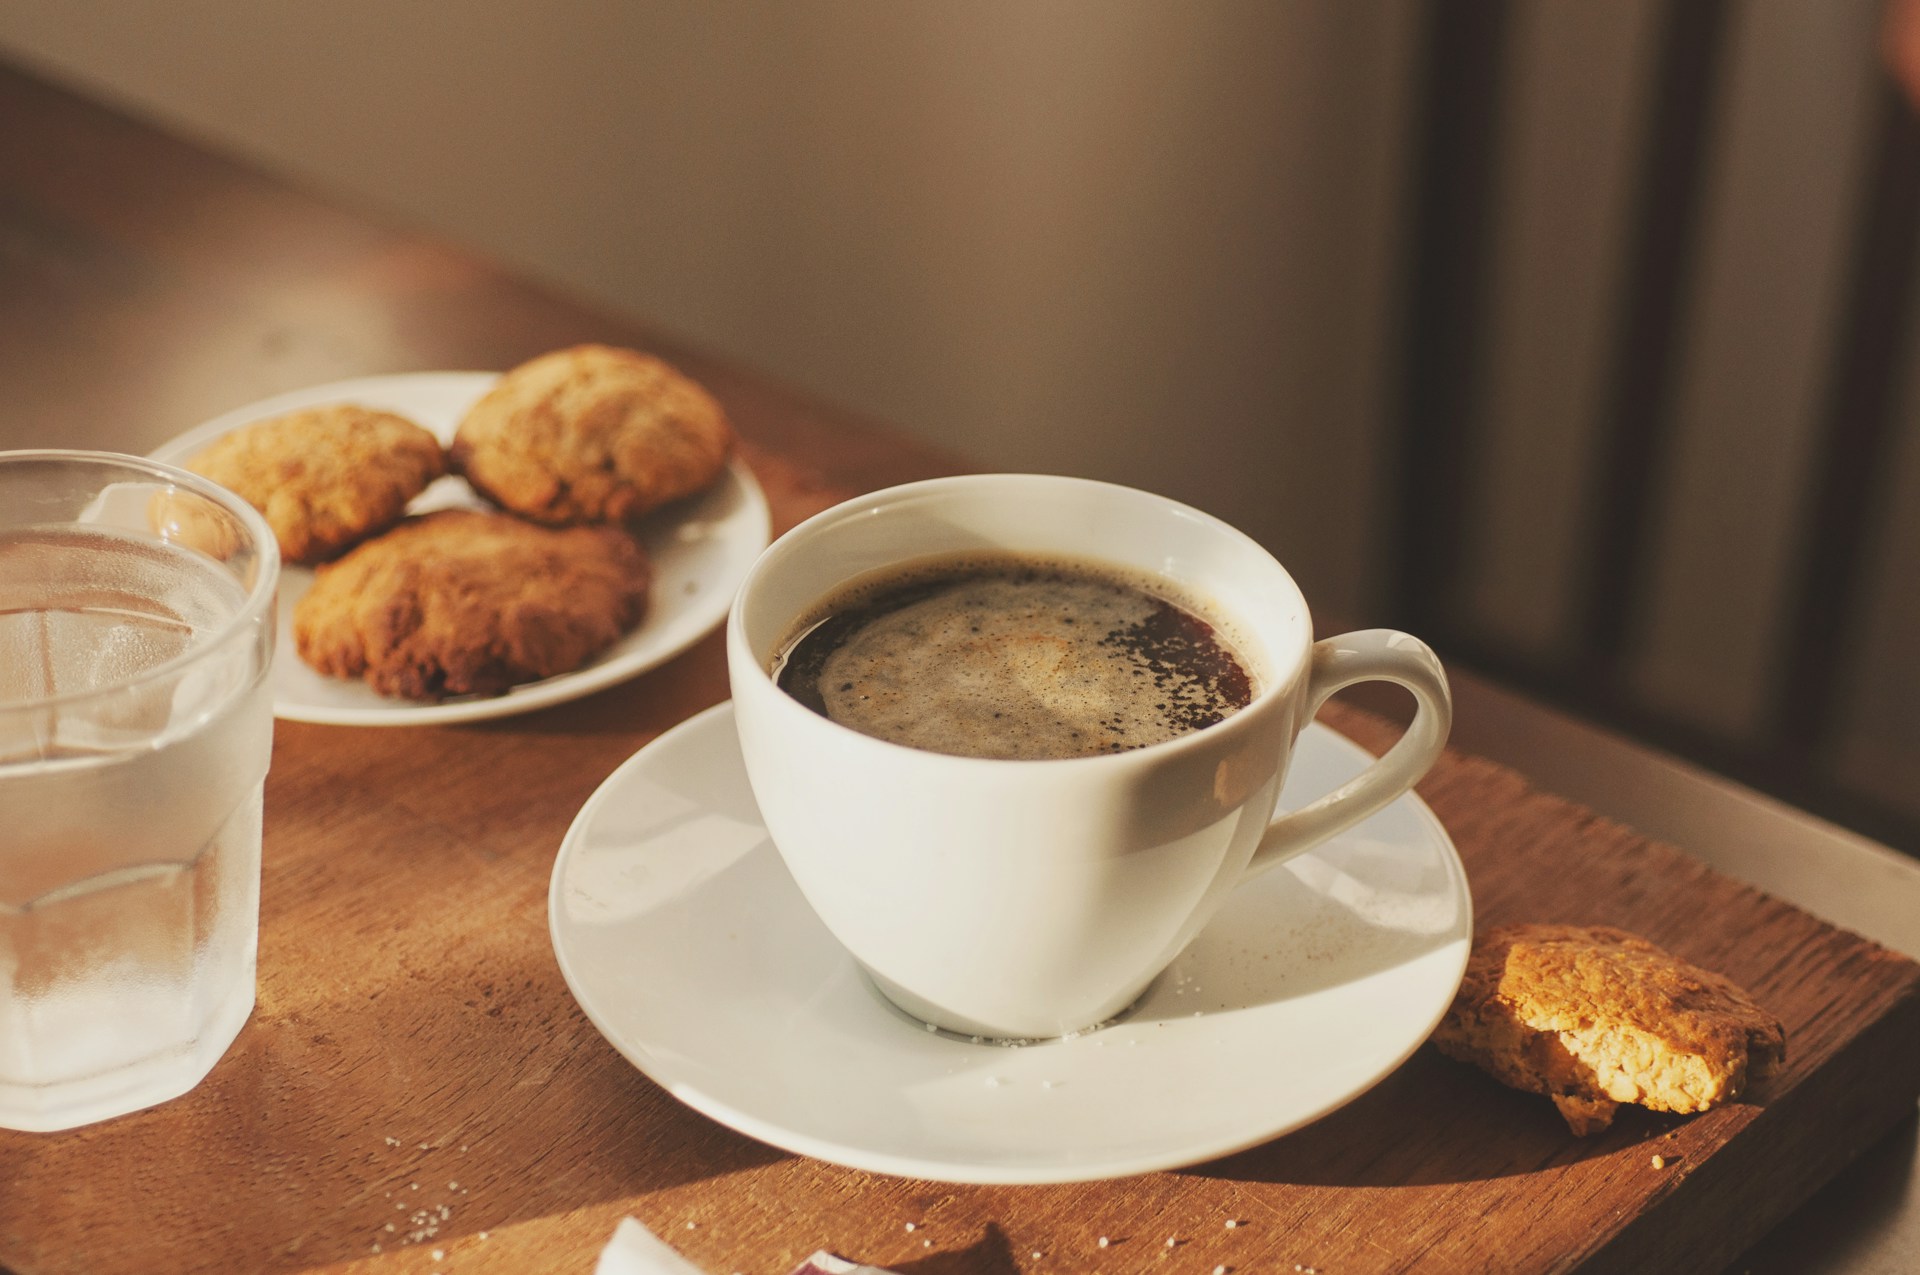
{"x":592,"y":434}
{"x":327,"y":477}
{"x":1593,"y":1017}
{"x":461,"y":602}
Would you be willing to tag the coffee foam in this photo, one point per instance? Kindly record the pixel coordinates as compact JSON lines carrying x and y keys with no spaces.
{"x":1024,"y":659}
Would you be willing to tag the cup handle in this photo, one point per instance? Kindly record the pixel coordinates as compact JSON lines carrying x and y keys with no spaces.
{"x":1338,"y":662}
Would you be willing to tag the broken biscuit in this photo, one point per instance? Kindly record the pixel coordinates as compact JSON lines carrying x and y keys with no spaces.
{"x":1593,"y":1017}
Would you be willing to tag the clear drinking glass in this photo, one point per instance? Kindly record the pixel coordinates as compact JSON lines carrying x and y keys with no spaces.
{"x":136,"y":723}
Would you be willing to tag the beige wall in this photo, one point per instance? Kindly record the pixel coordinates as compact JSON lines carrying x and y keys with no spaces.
{"x":1131,"y":239}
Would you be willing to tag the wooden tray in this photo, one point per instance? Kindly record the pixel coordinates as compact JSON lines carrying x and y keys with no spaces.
{"x":417,"y":1064}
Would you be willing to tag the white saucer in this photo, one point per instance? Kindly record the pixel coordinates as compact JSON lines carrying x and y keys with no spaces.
{"x":701,"y":548}
{"x":690,"y":948}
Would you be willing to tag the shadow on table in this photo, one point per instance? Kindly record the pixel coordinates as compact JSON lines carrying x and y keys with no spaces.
{"x":1848,"y":1218}
{"x":1432,"y":1122}
{"x":990,"y":1255}
{"x":350,"y":1119}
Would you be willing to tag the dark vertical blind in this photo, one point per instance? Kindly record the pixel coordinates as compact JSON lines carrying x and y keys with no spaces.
{"x":1443,"y":342}
{"x":1847,"y":512}
{"x":1444,"y":317}
{"x":1636,"y":416}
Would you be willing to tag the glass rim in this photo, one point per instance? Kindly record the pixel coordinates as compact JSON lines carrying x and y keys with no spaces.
{"x":259,"y":597}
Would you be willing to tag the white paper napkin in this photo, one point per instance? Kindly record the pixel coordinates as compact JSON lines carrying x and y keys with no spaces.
{"x":634,"y":1250}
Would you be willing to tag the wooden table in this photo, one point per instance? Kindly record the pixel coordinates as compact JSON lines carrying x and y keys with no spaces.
{"x":415,"y":1059}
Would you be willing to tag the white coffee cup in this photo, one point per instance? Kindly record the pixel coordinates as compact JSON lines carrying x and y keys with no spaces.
{"x":1030,"y":899}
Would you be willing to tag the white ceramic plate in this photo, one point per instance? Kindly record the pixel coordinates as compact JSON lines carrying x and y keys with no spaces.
{"x":690,"y":948}
{"x":701,"y":549}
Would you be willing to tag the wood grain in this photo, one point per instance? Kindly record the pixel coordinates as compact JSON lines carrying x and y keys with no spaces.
{"x":415,"y":1061}
{"x":413,"y":1033}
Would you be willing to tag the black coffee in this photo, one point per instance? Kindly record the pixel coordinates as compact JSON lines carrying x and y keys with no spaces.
{"x":1012,"y":657}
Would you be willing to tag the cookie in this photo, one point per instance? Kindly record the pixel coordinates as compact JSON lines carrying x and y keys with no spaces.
{"x":1594,"y":1017}
{"x":461,"y":602}
{"x":325,"y":478}
{"x":592,"y":434}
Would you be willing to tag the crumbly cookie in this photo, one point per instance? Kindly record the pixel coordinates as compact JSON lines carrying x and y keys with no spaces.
{"x":592,"y":434}
{"x":327,"y":477}
{"x":461,"y":602}
{"x":1593,"y":1016}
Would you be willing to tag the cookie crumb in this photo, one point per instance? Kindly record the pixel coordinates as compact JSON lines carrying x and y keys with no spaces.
{"x":1659,"y":1162}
